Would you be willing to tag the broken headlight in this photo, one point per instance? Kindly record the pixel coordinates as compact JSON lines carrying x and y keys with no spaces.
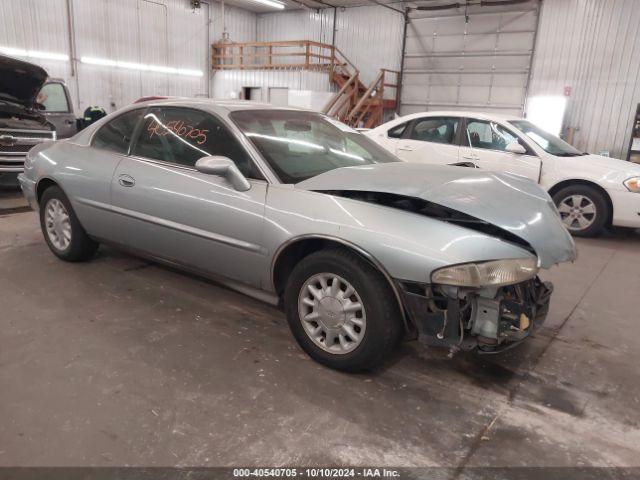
{"x":495,"y":273}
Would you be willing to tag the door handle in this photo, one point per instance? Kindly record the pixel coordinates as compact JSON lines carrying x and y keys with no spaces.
{"x":406,"y":148}
{"x":69,"y":122}
{"x":126,"y":180}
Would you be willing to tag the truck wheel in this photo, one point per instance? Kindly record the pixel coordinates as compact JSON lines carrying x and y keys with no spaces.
{"x":341,"y":310}
{"x":583,"y":210}
{"x":62,"y":230}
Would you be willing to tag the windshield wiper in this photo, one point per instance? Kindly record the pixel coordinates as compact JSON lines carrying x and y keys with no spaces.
{"x":569,"y":154}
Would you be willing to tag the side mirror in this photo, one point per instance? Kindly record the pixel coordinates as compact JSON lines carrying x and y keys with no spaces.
{"x":223,"y":167}
{"x":515,"y":147}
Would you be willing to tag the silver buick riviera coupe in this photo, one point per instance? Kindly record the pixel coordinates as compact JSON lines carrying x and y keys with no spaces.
{"x":297,"y":209}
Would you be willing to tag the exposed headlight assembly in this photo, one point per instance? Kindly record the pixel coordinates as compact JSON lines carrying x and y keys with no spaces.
{"x":632,"y":184}
{"x":495,"y":273}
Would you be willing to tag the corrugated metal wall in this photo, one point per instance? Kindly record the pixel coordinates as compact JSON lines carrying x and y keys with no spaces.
{"x":296,"y":25}
{"x":371,"y":37}
{"x":240,"y":24}
{"x":37,"y":25}
{"x":593,"y":47}
{"x":158,"y":32}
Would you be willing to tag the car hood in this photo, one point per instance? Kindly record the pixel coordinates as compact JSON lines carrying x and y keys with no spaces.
{"x":20,"y":81}
{"x":608,"y":167}
{"x":514,"y":204}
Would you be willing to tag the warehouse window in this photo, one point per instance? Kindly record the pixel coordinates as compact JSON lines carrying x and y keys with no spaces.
{"x":435,"y":129}
{"x":183,"y":136}
{"x":116,"y":134}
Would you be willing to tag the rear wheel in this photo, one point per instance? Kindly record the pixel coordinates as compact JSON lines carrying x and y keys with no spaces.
{"x":342,"y":311}
{"x":583,"y":210}
{"x":61,"y":228}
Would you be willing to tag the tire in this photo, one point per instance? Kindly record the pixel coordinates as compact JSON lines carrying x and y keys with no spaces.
{"x":581,"y":201}
{"x":379,"y":329}
{"x":58,"y":217}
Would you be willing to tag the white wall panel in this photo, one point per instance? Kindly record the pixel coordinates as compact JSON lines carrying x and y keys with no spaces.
{"x":371,"y":37}
{"x":229,"y":83}
{"x":166,"y":32}
{"x":37,"y":25}
{"x":240,"y":24}
{"x":593,"y":47}
{"x":159,"y":32}
{"x":296,"y":25}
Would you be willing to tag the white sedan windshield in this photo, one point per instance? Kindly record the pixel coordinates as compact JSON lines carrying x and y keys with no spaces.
{"x":548,"y":142}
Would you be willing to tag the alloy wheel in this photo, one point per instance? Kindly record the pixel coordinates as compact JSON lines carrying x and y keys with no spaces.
{"x":58,"y":224}
{"x":332,"y":313}
{"x":577,"y":212}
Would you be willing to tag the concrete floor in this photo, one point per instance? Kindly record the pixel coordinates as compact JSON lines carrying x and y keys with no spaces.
{"x":122,"y":362}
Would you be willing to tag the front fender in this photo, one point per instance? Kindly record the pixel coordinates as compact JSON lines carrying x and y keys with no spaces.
{"x":408,"y":246}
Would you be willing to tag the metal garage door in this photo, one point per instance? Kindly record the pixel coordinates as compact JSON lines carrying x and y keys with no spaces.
{"x":477,"y":61}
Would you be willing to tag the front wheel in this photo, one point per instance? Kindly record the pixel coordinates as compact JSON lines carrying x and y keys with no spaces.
{"x":583,"y":210}
{"x":341,"y":310}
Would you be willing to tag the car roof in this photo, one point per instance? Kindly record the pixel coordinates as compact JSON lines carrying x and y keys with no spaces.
{"x":461,"y":113}
{"x":216,"y":105}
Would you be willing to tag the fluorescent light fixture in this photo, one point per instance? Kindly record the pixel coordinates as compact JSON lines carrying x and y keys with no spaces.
{"x":19,"y":52}
{"x":547,"y":112}
{"x":269,"y":3}
{"x":141,"y":66}
{"x":98,"y":61}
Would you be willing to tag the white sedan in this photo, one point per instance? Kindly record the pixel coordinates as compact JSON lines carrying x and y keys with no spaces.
{"x":590,"y":191}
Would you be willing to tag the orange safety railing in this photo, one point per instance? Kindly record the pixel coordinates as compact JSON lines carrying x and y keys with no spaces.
{"x":354,"y":103}
{"x":294,"y":54}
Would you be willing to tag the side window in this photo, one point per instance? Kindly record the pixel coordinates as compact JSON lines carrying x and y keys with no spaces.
{"x":183,"y":136}
{"x":54,"y":99}
{"x":488,"y":135}
{"x":436,"y":130}
{"x":398,"y":130}
{"x":116,"y":134}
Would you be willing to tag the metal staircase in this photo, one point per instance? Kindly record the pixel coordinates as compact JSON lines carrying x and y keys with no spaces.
{"x":355,"y":103}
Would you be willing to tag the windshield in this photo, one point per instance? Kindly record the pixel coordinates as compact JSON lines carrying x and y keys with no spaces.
{"x":301,"y":145}
{"x":550,"y":143}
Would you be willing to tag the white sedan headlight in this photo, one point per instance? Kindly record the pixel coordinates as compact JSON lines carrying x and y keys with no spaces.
{"x":495,"y":273}
{"x":632,"y":184}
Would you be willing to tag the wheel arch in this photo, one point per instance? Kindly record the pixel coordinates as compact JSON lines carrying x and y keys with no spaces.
{"x":43,"y":184}
{"x":588,"y":183}
{"x":297,"y":248}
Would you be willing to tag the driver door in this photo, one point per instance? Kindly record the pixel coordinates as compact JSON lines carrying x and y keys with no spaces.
{"x":174,"y":212}
{"x":484,"y":144}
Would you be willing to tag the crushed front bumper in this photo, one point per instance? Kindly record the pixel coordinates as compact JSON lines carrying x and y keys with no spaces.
{"x":490,"y":319}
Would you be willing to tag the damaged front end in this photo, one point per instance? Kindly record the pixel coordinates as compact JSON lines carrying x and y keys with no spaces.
{"x":491,"y":319}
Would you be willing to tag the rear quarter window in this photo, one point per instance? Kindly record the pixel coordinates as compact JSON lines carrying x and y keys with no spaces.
{"x":116,"y":134}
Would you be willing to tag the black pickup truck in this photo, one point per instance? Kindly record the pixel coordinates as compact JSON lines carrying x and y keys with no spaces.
{"x":33,"y":109}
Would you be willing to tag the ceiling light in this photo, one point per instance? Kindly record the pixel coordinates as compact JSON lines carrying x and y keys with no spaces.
{"x":19,"y":52}
{"x":269,"y":3}
{"x":141,"y":67}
